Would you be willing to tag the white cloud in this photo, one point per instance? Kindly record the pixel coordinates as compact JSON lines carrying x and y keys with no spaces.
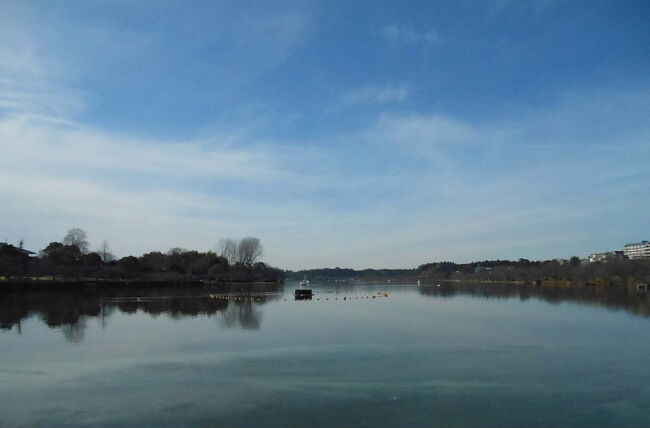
{"x":39,"y":98}
{"x":432,"y":129}
{"x":407,"y":189}
{"x":26,"y":85}
{"x":52,"y":180}
{"x":52,"y":59}
{"x":37,"y":146}
{"x":407,"y":35}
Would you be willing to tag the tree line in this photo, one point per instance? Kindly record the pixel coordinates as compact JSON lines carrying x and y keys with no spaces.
{"x":612,"y":273}
{"x":338,"y":274}
{"x":232,"y":260}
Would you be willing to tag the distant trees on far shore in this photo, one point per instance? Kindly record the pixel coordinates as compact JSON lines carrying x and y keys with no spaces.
{"x":611,"y":273}
{"x":239,"y":260}
{"x":236,"y":261}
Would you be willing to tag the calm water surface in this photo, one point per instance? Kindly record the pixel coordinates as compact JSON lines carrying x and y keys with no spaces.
{"x":451,"y":356}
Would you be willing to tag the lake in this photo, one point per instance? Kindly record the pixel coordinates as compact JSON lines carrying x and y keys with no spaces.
{"x":451,"y":356}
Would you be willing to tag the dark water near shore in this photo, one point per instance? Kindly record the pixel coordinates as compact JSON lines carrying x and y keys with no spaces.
{"x":461,"y":356}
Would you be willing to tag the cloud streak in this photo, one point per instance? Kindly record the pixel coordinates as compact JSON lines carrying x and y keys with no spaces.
{"x":406,"y":35}
{"x":416,"y":192}
{"x":389,"y":177}
{"x":377,"y":95}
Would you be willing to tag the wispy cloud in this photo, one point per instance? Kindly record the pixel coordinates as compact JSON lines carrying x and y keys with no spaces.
{"x":39,"y":145}
{"x":39,"y":98}
{"x":407,"y":35}
{"x":65,"y":63}
{"x":377,"y":94}
{"x":428,"y":185}
{"x":140,"y":194}
{"x":404,"y":182}
{"x":27,"y":83}
{"x":424,"y":129}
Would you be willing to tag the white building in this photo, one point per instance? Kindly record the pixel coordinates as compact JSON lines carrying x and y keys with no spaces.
{"x":606,"y":256}
{"x":637,"y":250}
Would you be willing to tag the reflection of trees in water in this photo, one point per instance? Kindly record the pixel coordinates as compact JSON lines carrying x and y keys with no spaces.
{"x":71,"y":310}
{"x":621,"y":298}
{"x":242,"y":314}
{"x":55,"y":309}
{"x":75,"y":331}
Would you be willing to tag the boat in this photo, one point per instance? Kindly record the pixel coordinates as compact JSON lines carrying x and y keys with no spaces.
{"x":303,"y":294}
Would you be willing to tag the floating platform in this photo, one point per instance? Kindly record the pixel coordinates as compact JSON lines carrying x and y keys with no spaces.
{"x":303,"y":294}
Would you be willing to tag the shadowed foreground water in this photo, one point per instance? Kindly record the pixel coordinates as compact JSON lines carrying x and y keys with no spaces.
{"x":461,"y":356}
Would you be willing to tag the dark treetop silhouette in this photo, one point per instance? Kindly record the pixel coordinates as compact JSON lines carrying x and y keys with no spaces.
{"x":71,"y":261}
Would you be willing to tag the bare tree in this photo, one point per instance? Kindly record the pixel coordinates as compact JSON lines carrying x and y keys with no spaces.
{"x":77,"y":237}
{"x":104,"y":252}
{"x":228,"y":248}
{"x":176,"y":251}
{"x":249,"y":250}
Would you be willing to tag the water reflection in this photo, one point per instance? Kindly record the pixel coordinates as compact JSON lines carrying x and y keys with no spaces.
{"x":242,"y":314}
{"x":616,"y":299}
{"x":70,"y":310}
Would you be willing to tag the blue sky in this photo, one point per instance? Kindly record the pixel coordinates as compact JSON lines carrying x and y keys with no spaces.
{"x":357,"y":134}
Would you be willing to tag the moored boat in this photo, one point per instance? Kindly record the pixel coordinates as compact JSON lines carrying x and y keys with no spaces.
{"x":303,"y":294}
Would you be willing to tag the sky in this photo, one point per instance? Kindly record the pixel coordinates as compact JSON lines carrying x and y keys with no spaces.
{"x":341,"y":133}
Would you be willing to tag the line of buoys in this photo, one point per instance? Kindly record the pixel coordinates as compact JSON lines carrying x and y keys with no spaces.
{"x":240,"y":298}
